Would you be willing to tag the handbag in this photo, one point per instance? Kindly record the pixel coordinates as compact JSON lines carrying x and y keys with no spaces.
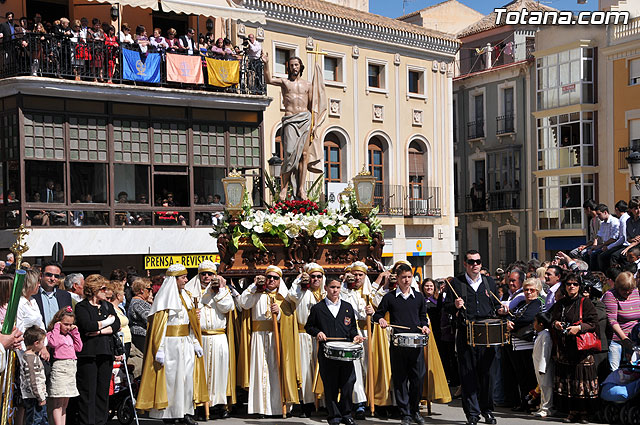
{"x":589,"y":340}
{"x":118,"y":346}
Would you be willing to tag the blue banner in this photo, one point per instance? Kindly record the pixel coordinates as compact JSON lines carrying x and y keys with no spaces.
{"x":137,"y":68}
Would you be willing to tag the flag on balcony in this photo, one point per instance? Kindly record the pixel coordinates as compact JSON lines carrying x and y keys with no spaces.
{"x":184,"y":69}
{"x":223,"y":73}
{"x":138,"y":68}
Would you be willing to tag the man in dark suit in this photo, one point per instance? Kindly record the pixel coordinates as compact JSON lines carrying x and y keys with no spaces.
{"x":8,"y":29}
{"x":334,"y":318}
{"x":49,"y":298}
{"x":187,"y":43}
{"x":470,"y":299}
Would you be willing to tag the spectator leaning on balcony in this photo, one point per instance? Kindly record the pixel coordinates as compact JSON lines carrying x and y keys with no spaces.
{"x":141,"y":39}
{"x":186,"y":43}
{"x":96,"y":34}
{"x":125,"y":34}
{"x":158,"y":41}
{"x":172,"y":41}
{"x":254,"y":51}
{"x":8,"y":29}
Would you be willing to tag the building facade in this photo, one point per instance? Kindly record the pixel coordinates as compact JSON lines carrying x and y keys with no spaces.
{"x":389,"y":102}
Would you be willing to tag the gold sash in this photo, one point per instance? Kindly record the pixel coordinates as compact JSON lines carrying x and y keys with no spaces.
{"x":210,"y":332}
{"x":261,"y":326}
{"x":301,"y":328}
{"x":177,"y":330}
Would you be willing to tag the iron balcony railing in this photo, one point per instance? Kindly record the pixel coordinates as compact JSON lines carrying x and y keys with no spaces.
{"x":415,"y":200}
{"x":475,"y":129}
{"x":53,"y":56}
{"x":505,"y":124}
{"x":504,"y":200}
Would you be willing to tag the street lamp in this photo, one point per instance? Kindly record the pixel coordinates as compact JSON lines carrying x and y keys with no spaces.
{"x":634,"y":167}
{"x":364,"y":184}
{"x":275,"y":165}
{"x":234,"y":187}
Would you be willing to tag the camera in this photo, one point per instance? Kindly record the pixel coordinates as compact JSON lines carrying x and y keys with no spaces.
{"x":245,"y":42}
{"x":261,"y":283}
{"x":305,"y":281}
{"x":565,"y":328}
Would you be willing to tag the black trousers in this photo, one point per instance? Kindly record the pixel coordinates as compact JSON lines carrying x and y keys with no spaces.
{"x":93,"y":378}
{"x":474,"y":364}
{"x":522,"y":362}
{"x":338,"y":378}
{"x":407,"y":373}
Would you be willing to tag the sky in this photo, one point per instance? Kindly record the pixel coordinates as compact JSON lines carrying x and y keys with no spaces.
{"x":393,"y":8}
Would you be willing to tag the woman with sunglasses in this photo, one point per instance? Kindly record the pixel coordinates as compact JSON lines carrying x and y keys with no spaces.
{"x":520,"y":324}
{"x":138,"y":311}
{"x":97,"y":322}
{"x":576,"y":375}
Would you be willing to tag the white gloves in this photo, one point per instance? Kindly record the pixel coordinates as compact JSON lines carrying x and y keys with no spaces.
{"x":160,"y":357}
{"x":108,"y":321}
{"x":198,"y":349}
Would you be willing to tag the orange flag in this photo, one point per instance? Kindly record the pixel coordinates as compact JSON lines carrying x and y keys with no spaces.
{"x":184,"y":69}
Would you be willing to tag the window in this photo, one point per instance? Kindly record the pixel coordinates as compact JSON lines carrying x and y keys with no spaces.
{"x":417,"y":170}
{"x":131,"y":183}
{"x":282,"y":55}
{"x":634,"y":71}
{"x":45,"y":181}
{"x":560,"y":199}
{"x":416,"y":80}
{"x":508,"y":247}
{"x":505,"y":122}
{"x":504,"y":179}
{"x":475,"y":128}
{"x":565,"y":78}
{"x":376,"y":77}
{"x":333,"y":69}
{"x":171,"y":189}
{"x":208,"y":189}
{"x":332,"y":163}
{"x":88,"y":183}
{"x":376,"y":167}
{"x":566,"y":140}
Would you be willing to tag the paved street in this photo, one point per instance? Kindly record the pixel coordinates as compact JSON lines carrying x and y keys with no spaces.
{"x":441,"y":414}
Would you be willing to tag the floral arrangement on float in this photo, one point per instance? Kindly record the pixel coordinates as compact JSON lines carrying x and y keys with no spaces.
{"x":291,"y":219}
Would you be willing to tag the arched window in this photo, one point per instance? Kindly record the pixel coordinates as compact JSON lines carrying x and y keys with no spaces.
{"x":417,"y":170}
{"x":376,"y":167}
{"x":332,"y":159}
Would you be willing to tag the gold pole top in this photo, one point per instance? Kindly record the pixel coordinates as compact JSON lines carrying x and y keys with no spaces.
{"x":19,"y":247}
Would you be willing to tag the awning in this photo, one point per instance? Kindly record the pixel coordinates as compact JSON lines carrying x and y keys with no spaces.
{"x":144,"y":4}
{"x":218,"y":8}
{"x":211,"y":8}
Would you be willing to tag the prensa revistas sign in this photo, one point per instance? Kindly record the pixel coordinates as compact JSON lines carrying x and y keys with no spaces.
{"x":189,"y":261}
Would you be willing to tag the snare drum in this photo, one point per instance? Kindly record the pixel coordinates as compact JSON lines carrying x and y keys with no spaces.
{"x":343,"y":351}
{"x":410,"y":340}
{"x":488,"y":332}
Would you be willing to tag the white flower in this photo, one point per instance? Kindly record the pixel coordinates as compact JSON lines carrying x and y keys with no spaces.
{"x":258,"y":229}
{"x":319,"y":234}
{"x":247,"y":224}
{"x":291,"y":232}
{"x":354,"y":222}
{"x":344,"y":230}
{"x":327,"y":221}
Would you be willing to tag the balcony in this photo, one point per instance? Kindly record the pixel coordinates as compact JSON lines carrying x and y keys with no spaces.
{"x":495,"y":201}
{"x":416,"y":200}
{"x":623,"y":33}
{"x":475,"y":130}
{"x":45,"y":55}
{"x":505,"y":124}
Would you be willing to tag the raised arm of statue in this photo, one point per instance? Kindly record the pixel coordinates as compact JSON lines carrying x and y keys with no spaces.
{"x":267,"y":71}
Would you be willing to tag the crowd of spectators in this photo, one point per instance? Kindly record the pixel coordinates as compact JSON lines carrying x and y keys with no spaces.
{"x":77,"y":48}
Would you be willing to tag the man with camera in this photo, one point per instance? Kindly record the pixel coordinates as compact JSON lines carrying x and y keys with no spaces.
{"x":306,"y":291}
{"x":214,"y":302}
{"x":252,"y":47}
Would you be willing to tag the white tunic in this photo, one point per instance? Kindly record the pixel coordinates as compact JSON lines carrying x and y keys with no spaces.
{"x":213,"y":315}
{"x":353,"y":297}
{"x":264,"y":382}
{"x":179,"y":360}
{"x":305,"y":299}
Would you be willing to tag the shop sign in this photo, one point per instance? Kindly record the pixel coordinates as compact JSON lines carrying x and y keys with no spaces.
{"x":189,"y":261}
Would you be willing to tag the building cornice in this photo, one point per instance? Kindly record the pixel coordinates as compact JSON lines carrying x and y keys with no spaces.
{"x":351,"y":28}
{"x":39,"y":86}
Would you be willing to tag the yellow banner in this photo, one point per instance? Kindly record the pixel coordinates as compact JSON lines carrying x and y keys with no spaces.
{"x":223,"y":73}
{"x":189,"y":261}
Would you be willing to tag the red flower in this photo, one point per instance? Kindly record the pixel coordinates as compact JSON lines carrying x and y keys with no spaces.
{"x":271,"y":210}
{"x":302,"y":210}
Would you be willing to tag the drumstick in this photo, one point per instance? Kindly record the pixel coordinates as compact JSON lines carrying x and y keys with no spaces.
{"x":494,"y":296}
{"x":396,"y":326}
{"x":335,"y":338}
{"x":454,"y":292}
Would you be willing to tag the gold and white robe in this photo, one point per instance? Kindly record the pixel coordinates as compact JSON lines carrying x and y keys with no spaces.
{"x":264,"y":384}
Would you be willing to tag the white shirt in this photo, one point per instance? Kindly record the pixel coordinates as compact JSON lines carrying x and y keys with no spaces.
{"x":609,"y":229}
{"x":622,"y":236}
{"x":551,"y":296}
{"x":475,"y":284}
{"x":334,"y":308}
{"x":406,"y":296}
{"x":255,"y":50}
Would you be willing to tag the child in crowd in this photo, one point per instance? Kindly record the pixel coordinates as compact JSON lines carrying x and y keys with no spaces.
{"x":32,"y":379}
{"x":542,"y":362}
{"x":65,"y":341}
